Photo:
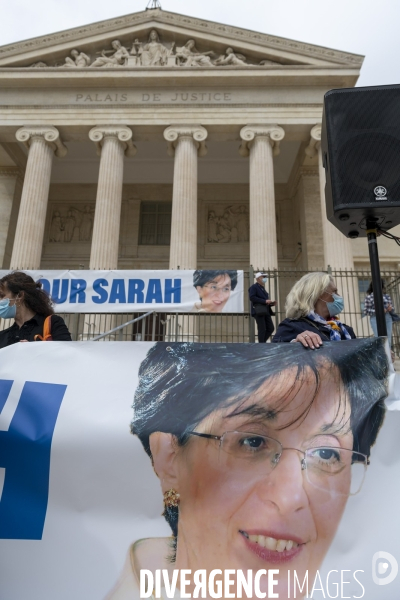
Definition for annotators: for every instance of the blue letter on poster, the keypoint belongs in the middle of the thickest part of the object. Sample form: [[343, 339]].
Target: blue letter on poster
[[25, 455]]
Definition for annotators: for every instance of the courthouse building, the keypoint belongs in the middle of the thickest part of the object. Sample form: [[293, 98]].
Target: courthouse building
[[157, 140]]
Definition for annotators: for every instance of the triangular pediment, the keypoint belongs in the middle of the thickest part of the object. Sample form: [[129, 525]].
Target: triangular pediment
[[158, 39]]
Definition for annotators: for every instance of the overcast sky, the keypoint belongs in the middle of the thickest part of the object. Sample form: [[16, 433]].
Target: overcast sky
[[368, 27]]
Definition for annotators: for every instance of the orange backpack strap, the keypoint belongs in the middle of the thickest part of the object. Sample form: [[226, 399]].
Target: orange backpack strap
[[46, 337]]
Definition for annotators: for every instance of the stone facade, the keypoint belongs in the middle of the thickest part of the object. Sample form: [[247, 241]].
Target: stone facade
[[219, 123]]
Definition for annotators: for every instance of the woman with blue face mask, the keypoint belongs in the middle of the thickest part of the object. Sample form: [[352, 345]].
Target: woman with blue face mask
[[24, 300], [312, 309]]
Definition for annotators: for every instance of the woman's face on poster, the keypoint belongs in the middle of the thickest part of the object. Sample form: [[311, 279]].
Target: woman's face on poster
[[215, 293], [232, 514]]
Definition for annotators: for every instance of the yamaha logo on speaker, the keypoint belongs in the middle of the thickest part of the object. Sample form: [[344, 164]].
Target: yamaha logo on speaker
[[380, 193]]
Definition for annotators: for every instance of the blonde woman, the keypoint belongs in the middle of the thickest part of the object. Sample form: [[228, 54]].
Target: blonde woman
[[312, 307]]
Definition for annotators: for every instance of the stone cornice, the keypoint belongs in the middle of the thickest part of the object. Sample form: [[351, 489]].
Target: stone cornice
[[121, 132], [50, 134], [16, 154], [9, 171], [199, 134], [158, 16], [300, 173], [274, 133]]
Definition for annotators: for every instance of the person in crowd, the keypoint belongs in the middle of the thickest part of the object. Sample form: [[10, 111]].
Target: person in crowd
[[369, 310], [214, 289], [312, 307], [261, 309], [257, 451], [23, 299]]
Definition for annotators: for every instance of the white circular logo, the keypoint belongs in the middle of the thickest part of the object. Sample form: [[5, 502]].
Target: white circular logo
[[380, 191]]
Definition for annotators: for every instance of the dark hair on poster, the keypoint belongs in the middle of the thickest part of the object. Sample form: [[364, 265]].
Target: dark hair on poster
[[200, 278]]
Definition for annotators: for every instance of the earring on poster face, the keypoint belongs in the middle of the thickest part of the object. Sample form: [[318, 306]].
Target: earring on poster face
[[171, 499]]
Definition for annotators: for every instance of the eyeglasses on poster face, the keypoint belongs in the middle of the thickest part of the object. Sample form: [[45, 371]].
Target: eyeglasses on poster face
[[214, 288], [336, 470]]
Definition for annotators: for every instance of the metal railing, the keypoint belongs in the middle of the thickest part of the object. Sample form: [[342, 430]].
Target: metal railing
[[158, 327], [224, 327], [119, 328]]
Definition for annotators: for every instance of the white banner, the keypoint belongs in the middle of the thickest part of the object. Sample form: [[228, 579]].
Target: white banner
[[78, 491], [201, 291]]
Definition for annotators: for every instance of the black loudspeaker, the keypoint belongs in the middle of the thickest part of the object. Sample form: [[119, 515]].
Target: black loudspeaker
[[360, 146]]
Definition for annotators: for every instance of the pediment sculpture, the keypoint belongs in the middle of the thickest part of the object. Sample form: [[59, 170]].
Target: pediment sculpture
[[189, 56], [155, 53], [78, 60], [231, 58], [119, 56]]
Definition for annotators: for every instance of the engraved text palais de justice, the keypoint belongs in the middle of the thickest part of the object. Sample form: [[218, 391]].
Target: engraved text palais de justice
[[148, 98]]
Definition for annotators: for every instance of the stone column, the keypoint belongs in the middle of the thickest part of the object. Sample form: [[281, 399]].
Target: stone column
[[186, 143], [307, 200], [112, 143], [337, 247], [261, 142], [8, 180], [43, 143]]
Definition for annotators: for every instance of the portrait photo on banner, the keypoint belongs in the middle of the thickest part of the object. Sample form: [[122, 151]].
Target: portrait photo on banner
[[170, 456], [185, 291]]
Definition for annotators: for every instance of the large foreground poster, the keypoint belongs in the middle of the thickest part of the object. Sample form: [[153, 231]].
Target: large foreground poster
[[197, 469], [200, 291]]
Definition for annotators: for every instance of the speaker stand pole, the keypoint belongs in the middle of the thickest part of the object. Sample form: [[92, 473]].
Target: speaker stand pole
[[376, 281]]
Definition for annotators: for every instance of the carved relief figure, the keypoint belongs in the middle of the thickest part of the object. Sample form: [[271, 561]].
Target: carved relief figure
[[190, 57], [242, 223], [39, 65], [234, 235], [224, 232], [137, 50], [119, 56], [267, 62], [69, 226], [78, 60], [56, 228], [86, 227], [229, 217], [212, 227], [154, 53], [231, 227], [231, 58]]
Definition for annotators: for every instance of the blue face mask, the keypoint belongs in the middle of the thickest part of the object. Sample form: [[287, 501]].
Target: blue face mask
[[335, 307], [265, 279], [7, 311]]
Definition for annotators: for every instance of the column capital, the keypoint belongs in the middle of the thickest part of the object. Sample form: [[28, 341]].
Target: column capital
[[315, 141], [50, 134], [274, 133], [122, 133], [199, 134]]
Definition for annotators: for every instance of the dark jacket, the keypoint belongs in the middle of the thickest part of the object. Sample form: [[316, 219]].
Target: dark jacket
[[289, 329], [29, 329], [257, 295]]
